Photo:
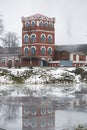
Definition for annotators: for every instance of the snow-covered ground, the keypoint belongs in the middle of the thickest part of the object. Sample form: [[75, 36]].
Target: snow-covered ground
[[41, 81], [38, 75]]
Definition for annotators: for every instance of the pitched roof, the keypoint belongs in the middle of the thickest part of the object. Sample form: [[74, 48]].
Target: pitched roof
[[72, 48], [12, 51]]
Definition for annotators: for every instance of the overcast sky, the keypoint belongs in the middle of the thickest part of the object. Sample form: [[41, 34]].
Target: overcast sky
[[71, 17]]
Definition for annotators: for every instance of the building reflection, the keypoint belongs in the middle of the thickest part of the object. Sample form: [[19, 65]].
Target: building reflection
[[37, 113]]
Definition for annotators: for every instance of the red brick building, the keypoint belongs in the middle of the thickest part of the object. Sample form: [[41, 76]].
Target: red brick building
[[38, 40]]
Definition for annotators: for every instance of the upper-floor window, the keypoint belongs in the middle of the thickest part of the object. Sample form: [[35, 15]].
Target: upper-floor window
[[43, 110], [49, 50], [33, 110], [33, 50], [50, 109], [26, 38], [33, 38], [27, 24], [33, 23], [26, 110], [43, 37], [41, 23], [51, 24], [50, 38], [26, 51], [46, 24], [43, 50]]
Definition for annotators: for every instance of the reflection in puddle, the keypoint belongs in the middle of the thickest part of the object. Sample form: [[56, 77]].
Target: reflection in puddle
[[37, 113], [38, 108], [27, 113]]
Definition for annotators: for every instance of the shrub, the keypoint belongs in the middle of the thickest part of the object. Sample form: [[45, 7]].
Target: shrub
[[79, 70]]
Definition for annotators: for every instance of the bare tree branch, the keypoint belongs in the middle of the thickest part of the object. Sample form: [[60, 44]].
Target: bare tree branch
[[10, 40]]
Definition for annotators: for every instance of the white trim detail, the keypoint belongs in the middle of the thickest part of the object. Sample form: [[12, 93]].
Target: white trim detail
[[33, 47], [49, 36], [25, 48], [32, 34], [26, 35], [32, 22], [43, 47], [40, 31], [50, 59], [49, 48], [26, 22], [43, 35]]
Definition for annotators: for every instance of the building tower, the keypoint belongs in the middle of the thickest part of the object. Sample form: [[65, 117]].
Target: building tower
[[38, 40]]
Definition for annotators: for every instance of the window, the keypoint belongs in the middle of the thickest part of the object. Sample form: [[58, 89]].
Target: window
[[33, 50], [43, 38], [33, 110], [49, 50], [26, 51], [26, 110], [2, 60], [43, 110], [41, 23], [27, 24], [33, 123], [49, 38], [26, 38], [43, 123], [50, 121], [33, 23], [51, 24], [43, 50], [50, 109], [33, 38], [46, 24], [26, 122]]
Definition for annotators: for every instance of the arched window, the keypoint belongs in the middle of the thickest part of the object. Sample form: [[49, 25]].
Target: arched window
[[43, 123], [50, 109], [26, 110], [41, 23], [33, 38], [51, 24], [26, 51], [33, 50], [27, 24], [33, 23], [43, 38], [26, 122], [43, 50], [26, 38], [50, 121], [49, 38], [33, 110], [33, 122], [43, 110], [46, 24], [2, 60], [49, 50]]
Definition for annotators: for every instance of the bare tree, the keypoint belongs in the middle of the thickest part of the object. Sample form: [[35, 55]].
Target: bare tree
[[1, 25], [10, 40]]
